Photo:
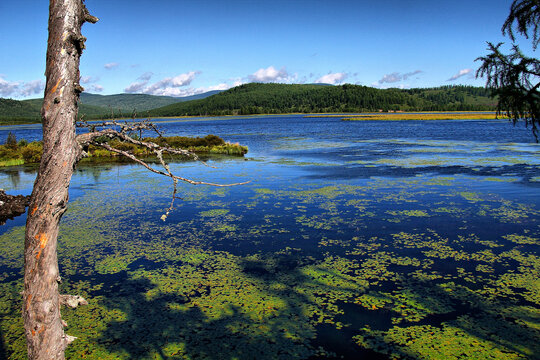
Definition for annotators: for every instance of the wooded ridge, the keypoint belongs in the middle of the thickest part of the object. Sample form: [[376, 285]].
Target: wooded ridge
[[258, 98]]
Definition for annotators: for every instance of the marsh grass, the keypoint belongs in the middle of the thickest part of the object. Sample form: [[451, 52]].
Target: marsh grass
[[400, 116], [30, 153], [11, 162]]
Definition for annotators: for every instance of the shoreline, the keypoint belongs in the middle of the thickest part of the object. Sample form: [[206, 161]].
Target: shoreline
[[374, 116]]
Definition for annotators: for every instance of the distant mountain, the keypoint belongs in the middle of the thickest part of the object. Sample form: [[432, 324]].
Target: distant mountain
[[93, 106], [200, 96], [257, 98], [137, 102], [87, 109], [26, 111], [10, 107]]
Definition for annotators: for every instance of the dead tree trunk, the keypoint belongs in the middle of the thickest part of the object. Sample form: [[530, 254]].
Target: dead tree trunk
[[41, 300], [62, 149]]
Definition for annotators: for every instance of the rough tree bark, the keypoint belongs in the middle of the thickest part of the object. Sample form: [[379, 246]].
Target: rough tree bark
[[41, 301], [62, 149]]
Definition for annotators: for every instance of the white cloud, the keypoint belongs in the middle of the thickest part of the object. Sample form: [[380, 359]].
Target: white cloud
[[200, 90], [92, 86], [95, 88], [461, 73], [184, 79], [33, 88], [8, 88], [397, 77], [333, 79], [136, 87], [222, 86], [408, 75], [270, 74], [170, 86], [20, 89], [169, 91], [139, 86], [237, 82], [146, 76], [390, 78], [177, 86], [89, 79], [111, 65]]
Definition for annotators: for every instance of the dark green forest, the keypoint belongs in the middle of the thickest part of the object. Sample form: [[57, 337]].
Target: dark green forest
[[92, 106], [28, 111], [257, 98]]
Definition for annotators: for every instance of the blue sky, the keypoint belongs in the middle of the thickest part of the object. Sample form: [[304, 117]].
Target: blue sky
[[181, 48]]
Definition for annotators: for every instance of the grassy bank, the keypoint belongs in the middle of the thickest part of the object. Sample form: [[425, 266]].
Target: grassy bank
[[18, 153], [401, 116]]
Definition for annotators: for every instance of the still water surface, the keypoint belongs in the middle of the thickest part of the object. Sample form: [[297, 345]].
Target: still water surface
[[390, 238]]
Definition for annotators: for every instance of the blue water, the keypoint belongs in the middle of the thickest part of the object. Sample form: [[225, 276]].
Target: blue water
[[330, 149], [319, 188]]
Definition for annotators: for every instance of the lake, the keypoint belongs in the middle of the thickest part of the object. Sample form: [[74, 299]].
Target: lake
[[353, 239]]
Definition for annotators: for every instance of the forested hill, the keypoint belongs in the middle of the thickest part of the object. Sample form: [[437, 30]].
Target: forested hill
[[28, 111], [93, 106], [256, 98], [137, 102]]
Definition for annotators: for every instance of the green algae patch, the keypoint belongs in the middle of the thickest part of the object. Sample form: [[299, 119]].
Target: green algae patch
[[264, 191], [408, 213], [373, 301], [470, 196], [113, 264], [271, 273], [522, 239], [214, 213], [451, 341]]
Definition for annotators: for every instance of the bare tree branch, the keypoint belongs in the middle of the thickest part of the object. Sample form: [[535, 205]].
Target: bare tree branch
[[139, 161], [90, 138]]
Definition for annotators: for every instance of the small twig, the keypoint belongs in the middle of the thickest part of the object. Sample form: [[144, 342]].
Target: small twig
[[175, 186]]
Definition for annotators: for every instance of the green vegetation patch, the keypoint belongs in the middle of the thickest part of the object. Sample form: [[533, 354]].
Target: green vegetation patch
[[18, 153], [257, 98], [282, 272], [214, 212]]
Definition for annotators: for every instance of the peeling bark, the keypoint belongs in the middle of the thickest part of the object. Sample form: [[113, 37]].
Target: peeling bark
[[41, 306], [12, 206]]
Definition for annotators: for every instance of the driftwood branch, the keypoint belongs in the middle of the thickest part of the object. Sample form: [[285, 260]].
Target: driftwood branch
[[90, 138], [72, 301], [143, 163]]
